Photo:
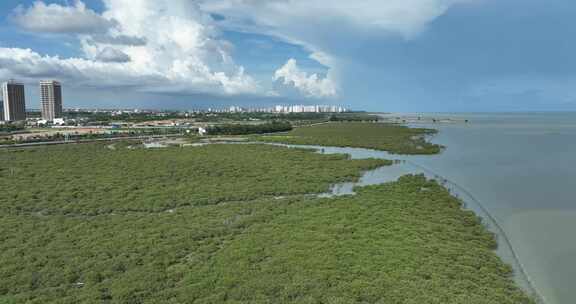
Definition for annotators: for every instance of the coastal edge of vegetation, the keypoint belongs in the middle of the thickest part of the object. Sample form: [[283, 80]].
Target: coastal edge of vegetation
[[95, 223], [394, 138]]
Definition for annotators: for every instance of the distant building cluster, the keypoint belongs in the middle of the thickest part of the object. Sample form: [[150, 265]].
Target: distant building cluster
[[282, 109], [309, 109], [13, 106], [14, 101]]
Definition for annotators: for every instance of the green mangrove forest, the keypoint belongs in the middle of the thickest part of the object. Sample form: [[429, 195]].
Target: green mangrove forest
[[393, 138], [90, 179], [101, 223], [244, 129]]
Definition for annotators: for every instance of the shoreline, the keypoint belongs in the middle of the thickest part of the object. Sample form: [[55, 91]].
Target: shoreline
[[492, 225]]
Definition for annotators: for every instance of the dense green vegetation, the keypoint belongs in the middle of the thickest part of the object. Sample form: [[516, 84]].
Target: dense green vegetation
[[243, 129], [233, 224], [403, 242], [7, 128], [294, 118], [381, 136], [355, 117], [92, 179], [243, 116]]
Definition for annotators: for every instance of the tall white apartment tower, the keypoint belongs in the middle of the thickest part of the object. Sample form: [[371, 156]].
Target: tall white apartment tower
[[14, 101], [50, 99]]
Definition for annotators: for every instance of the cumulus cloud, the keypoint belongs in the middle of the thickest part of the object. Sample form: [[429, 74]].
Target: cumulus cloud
[[327, 29], [118, 40], [109, 54], [291, 76], [54, 18], [160, 46], [176, 45], [31, 66]]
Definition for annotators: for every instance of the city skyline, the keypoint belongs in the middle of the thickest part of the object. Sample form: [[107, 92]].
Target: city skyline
[[31, 90], [51, 104]]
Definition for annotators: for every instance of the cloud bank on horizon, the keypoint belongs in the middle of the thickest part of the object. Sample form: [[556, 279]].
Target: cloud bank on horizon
[[178, 46]]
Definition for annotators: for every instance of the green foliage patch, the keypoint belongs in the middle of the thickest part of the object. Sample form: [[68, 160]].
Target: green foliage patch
[[93, 179], [402, 242], [242, 129], [7, 128], [233, 224], [380, 136], [354, 117]]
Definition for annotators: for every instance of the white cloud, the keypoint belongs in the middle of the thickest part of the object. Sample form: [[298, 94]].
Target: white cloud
[[314, 86], [118, 40], [31, 66], [329, 28], [288, 17], [161, 46], [109, 54], [176, 46], [54, 18], [323, 58]]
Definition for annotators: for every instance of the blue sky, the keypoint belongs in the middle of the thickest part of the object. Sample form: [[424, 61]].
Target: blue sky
[[393, 55]]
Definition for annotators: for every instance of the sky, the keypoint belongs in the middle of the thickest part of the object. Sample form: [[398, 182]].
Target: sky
[[374, 55]]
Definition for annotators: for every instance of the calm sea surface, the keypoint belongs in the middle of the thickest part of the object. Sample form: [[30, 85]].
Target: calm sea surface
[[522, 167]]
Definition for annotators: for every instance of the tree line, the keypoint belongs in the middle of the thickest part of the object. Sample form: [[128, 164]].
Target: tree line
[[6, 128], [354, 117], [243, 129]]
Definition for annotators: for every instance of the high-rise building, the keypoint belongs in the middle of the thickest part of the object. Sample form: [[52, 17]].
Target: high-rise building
[[14, 101], [50, 99]]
